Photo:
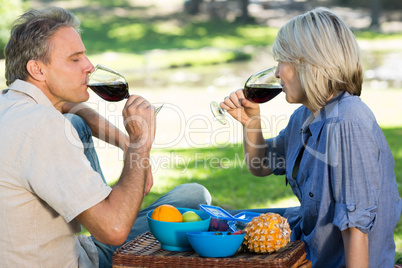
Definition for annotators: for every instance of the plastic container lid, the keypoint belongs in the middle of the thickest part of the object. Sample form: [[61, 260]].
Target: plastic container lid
[[222, 214], [246, 216], [217, 212]]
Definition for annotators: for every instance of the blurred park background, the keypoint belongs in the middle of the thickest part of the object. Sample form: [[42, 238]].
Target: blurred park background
[[187, 53]]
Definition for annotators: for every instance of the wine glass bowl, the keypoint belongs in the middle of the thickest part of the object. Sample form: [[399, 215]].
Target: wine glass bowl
[[260, 87], [108, 84]]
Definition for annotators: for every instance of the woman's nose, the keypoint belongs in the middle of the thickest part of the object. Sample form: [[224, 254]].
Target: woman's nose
[[277, 72]]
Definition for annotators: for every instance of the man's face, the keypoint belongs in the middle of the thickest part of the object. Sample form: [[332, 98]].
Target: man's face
[[68, 70]]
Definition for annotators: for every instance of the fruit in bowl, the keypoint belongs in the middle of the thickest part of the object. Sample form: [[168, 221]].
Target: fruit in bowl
[[172, 235], [218, 225], [190, 216], [215, 244], [167, 213]]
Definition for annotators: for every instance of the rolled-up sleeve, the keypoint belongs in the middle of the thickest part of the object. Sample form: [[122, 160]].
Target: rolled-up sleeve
[[355, 176]]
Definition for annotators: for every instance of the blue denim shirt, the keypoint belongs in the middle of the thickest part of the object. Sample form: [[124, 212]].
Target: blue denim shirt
[[345, 179]]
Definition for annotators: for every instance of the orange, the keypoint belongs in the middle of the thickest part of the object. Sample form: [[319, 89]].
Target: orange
[[167, 213]]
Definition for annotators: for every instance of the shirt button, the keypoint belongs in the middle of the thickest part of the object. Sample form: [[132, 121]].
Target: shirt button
[[351, 207], [311, 194]]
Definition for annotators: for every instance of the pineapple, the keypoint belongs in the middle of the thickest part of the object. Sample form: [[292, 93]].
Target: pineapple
[[266, 233]]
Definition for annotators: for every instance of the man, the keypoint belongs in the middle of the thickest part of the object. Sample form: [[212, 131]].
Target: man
[[48, 188]]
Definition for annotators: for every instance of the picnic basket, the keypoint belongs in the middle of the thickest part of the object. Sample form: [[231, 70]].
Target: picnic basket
[[145, 251]]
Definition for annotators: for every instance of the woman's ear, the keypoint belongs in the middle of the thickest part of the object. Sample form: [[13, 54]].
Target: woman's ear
[[35, 71]]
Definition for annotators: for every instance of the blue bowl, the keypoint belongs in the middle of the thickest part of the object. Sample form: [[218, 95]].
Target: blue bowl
[[172, 235], [208, 244]]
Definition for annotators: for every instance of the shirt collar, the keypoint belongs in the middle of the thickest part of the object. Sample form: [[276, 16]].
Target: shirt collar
[[32, 91], [328, 113]]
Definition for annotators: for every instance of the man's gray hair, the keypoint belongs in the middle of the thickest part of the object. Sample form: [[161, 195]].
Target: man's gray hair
[[29, 40]]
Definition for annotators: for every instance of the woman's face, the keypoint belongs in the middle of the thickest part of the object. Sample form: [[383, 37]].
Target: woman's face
[[290, 82]]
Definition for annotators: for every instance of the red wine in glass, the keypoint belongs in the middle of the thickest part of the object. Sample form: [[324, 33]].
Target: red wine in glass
[[116, 91], [261, 93], [110, 85]]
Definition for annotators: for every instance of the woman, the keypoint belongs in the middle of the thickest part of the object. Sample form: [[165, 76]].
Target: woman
[[336, 157]]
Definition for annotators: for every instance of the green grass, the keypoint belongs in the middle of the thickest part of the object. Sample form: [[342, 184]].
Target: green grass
[[223, 172], [185, 41], [372, 35], [184, 36], [136, 35], [127, 29], [188, 41]]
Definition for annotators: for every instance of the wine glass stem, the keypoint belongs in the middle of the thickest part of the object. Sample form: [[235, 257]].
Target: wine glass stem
[[157, 110], [221, 111]]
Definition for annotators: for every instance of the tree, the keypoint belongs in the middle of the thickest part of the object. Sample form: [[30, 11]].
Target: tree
[[9, 11], [192, 6], [375, 14], [245, 17]]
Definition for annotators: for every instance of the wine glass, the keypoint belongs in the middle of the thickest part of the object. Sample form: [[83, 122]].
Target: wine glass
[[260, 87], [110, 85]]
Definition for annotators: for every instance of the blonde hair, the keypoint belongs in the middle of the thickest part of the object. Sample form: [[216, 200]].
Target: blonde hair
[[324, 53]]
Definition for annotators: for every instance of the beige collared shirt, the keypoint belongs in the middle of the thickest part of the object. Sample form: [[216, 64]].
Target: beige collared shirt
[[45, 182]]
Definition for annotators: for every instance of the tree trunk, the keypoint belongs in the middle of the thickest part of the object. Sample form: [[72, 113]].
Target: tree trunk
[[244, 8], [375, 14], [192, 6]]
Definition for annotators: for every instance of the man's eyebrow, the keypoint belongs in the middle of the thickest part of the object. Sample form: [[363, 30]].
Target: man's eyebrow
[[77, 53]]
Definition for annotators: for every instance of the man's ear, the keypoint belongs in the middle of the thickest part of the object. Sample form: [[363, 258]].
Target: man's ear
[[35, 70]]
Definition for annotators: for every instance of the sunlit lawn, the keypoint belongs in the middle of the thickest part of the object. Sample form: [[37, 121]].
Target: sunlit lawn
[[224, 173], [184, 42]]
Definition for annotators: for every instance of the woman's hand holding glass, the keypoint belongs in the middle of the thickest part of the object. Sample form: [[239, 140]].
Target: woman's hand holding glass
[[240, 108], [260, 87]]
